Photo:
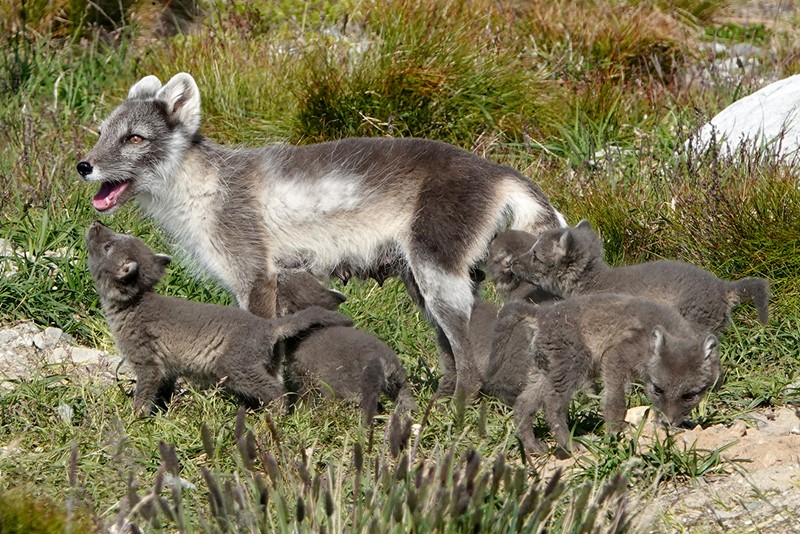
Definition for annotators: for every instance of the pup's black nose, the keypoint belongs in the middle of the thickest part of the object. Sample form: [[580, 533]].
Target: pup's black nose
[[84, 168]]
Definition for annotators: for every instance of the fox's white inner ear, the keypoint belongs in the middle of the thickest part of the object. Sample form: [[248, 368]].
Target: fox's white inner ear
[[562, 245], [147, 87], [128, 269], [710, 347], [183, 100], [657, 341]]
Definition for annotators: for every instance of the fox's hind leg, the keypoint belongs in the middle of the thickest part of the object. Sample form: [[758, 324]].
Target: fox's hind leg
[[525, 407], [448, 300]]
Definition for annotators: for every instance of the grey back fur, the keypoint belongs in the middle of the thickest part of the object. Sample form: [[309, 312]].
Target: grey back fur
[[570, 262], [542, 355], [339, 362], [167, 338]]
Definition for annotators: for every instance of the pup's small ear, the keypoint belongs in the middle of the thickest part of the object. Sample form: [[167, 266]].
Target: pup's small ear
[[163, 260], [564, 243], [337, 297], [183, 100], [583, 225], [145, 88], [657, 340], [128, 270], [710, 347]]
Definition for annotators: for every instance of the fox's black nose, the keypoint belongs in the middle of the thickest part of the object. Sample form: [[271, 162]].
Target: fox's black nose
[[84, 168]]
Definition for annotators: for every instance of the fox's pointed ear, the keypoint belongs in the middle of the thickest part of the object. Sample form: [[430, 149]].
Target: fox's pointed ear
[[163, 260], [710, 347], [564, 243], [147, 87], [657, 340], [127, 271], [583, 225], [183, 100]]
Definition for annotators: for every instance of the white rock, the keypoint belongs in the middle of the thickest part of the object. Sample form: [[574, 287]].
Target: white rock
[[767, 119], [85, 355], [48, 338]]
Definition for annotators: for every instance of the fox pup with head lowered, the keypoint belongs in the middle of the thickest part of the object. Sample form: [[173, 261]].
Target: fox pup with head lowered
[[542, 355], [419, 209], [339, 361], [569, 261], [166, 338]]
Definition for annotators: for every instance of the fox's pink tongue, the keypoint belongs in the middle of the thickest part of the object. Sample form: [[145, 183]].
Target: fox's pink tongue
[[106, 198]]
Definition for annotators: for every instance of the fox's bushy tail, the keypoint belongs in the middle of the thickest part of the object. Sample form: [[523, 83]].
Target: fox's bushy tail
[[757, 290]]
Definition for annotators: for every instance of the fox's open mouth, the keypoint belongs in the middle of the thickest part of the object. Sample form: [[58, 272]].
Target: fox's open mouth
[[108, 195]]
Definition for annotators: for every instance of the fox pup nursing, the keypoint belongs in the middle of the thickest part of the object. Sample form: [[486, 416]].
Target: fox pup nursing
[[542, 355], [339, 361], [419, 209], [166, 338], [569, 261]]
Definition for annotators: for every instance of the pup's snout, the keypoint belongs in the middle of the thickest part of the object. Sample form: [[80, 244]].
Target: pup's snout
[[85, 168]]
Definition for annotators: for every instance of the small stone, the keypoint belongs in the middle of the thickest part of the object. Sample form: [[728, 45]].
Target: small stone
[[59, 355], [739, 428], [65, 412], [84, 355], [48, 338]]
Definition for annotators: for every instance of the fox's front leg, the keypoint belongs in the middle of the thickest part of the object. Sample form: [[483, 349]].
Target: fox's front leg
[[262, 300], [615, 405]]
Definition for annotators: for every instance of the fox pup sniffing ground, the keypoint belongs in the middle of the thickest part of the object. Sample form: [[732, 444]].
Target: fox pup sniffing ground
[[569, 261], [419, 209], [166, 338], [542, 355], [339, 361]]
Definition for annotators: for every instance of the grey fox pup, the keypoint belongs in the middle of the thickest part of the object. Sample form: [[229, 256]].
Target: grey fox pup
[[542, 355], [166, 338], [419, 209], [339, 361], [504, 252], [569, 261]]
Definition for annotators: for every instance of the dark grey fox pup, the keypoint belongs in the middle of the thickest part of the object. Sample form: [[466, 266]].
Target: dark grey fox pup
[[339, 361], [165, 338], [504, 252], [542, 355], [570, 262]]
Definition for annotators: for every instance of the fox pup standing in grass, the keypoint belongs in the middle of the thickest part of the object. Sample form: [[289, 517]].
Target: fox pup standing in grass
[[419, 209], [542, 355], [339, 361], [166, 338], [569, 261]]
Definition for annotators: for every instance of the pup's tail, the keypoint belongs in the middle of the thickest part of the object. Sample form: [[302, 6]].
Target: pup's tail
[[757, 290]]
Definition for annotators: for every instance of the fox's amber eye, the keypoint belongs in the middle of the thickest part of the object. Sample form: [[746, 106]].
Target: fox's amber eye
[[135, 139]]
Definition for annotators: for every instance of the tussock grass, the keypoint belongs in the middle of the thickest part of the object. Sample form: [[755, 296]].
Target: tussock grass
[[589, 99]]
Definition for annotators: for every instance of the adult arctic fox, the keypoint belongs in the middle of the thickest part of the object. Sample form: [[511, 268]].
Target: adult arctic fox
[[419, 209]]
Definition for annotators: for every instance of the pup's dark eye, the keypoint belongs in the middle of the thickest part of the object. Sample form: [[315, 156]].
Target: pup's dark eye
[[107, 246], [692, 394], [135, 139], [657, 390]]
